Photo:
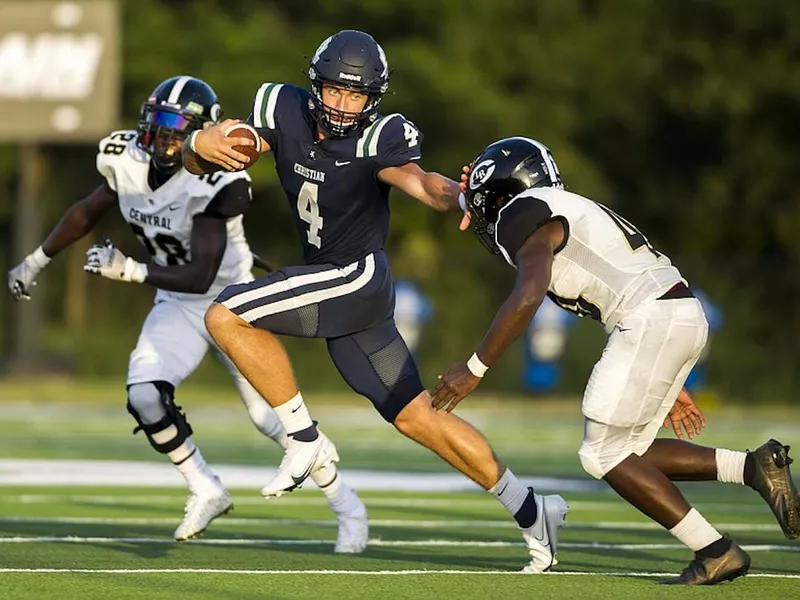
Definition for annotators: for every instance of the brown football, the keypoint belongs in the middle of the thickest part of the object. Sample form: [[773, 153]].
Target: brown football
[[243, 130]]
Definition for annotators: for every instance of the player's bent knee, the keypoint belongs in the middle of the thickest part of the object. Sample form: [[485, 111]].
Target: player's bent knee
[[219, 318], [591, 461], [145, 400], [153, 407], [598, 461], [417, 419]]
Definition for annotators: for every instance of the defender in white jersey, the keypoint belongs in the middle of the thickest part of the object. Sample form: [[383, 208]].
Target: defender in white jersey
[[192, 228], [593, 262]]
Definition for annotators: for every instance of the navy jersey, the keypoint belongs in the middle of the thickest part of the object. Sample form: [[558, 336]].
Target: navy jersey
[[340, 207]]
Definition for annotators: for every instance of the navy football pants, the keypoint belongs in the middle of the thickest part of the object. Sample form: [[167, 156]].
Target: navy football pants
[[351, 307]]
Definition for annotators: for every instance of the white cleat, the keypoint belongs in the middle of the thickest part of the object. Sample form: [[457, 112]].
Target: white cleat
[[353, 532], [301, 459], [201, 509], [542, 537]]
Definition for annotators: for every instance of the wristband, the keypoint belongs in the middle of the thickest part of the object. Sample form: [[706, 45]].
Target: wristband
[[40, 258], [476, 366], [134, 271], [191, 140]]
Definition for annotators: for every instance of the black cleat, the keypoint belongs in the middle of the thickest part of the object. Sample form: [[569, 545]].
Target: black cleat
[[709, 571], [773, 480]]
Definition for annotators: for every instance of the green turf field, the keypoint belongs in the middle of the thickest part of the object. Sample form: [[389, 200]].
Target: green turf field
[[115, 543], [77, 541]]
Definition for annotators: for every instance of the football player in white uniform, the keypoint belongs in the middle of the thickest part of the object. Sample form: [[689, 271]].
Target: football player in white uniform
[[192, 228], [593, 262]]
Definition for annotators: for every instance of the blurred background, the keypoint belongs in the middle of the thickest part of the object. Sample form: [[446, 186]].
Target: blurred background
[[682, 116]]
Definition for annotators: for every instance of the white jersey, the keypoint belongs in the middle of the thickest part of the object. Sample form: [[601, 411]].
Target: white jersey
[[162, 219], [606, 267]]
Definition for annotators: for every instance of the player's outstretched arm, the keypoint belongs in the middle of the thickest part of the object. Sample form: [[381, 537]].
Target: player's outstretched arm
[[79, 220], [195, 277], [209, 238], [209, 150], [534, 262], [432, 189], [207, 244]]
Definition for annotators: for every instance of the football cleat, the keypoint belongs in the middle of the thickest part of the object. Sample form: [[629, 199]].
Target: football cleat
[[709, 571], [542, 537], [353, 532], [301, 459], [202, 508], [773, 480]]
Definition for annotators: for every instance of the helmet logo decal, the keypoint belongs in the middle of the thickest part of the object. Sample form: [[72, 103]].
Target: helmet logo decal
[[350, 77], [481, 173]]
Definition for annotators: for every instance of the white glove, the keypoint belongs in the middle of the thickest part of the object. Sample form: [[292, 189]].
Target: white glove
[[21, 278], [106, 260]]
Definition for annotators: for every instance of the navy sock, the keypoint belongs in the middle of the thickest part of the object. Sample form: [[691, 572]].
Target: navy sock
[[527, 513]]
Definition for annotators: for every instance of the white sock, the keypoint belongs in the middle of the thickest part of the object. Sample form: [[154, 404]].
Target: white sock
[[510, 492], [342, 500], [294, 415], [730, 466], [266, 421], [189, 461], [695, 531]]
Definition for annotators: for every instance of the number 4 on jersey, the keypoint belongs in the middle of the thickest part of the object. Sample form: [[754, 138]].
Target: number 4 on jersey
[[308, 209], [411, 134]]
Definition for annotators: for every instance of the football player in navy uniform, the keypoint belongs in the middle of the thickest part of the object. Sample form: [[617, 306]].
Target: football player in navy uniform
[[595, 263], [193, 229], [337, 159]]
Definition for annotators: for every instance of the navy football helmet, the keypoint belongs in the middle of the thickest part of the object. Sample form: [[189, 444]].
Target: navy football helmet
[[351, 60]]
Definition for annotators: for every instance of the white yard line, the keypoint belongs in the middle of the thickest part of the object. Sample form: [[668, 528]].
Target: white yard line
[[374, 543], [399, 523], [361, 573]]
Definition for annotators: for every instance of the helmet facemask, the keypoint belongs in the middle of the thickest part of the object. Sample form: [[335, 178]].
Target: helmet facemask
[[162, 131], [337, 123], [484, 206]]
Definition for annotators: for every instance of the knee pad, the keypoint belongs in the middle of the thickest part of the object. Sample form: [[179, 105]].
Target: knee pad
[[153, 406], [145, 404]]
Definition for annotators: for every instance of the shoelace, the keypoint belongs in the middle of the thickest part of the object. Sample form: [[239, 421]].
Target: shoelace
[[695, 565]]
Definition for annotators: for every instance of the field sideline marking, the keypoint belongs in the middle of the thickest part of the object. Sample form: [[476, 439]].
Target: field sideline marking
[[374, 543], [399, 523], [360, 573]]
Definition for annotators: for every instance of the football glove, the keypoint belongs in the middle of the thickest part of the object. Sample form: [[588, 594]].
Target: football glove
[[22, 277], [106, 260]]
